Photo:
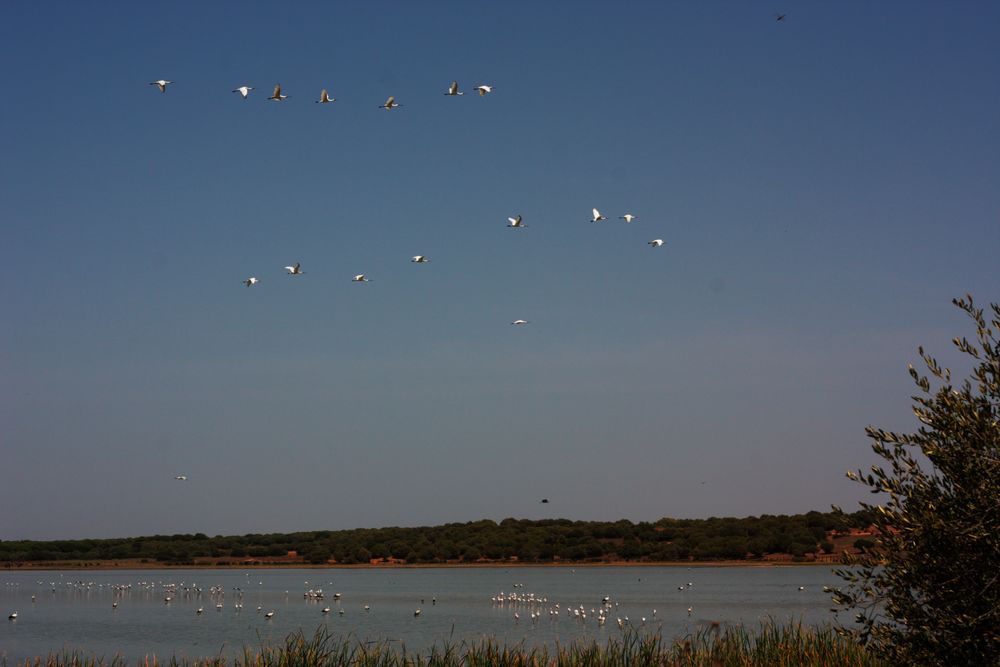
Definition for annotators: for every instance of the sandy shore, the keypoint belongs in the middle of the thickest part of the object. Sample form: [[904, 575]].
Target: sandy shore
[[138, 565]]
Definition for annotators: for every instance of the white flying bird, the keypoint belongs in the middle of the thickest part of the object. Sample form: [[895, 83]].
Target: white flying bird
[[420, 259], [453, 89], [251, 281], [324, 98], [390, 104], [360, 278], [277, 96], [161, 84], [294, 270], [182, 478], [628, 217], [520, 322], [484, 89], [269, 614], [244, 91], [597, 216], [656, 243], [516, 222]]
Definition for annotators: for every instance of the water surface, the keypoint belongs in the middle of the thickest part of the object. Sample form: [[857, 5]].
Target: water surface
[[73, 610]]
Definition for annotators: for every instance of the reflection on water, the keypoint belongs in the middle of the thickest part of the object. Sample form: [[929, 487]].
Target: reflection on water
[[137, 613]]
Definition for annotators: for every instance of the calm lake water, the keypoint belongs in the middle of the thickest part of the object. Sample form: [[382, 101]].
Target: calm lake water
[[74, 610]]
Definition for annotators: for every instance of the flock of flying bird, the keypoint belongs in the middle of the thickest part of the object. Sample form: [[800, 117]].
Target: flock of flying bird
[[516, 222]]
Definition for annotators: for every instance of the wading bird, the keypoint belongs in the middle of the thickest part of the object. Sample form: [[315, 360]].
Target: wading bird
[[516, 222], [294, 270], [656, 243], [161, 84], [453, 89], [269, 615], [628, 217], [597, 216], [390, 104], [251, 281], [277, 96], [244, 91], [324, 98]]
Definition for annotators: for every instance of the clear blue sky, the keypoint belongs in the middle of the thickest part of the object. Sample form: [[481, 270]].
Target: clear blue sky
[[825, 186]]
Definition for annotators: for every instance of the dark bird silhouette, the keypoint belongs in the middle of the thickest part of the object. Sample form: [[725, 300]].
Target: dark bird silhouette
[[544, 500], [780, 17]]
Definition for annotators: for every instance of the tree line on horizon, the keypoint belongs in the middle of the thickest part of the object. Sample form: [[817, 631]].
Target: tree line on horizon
[[521, 540]]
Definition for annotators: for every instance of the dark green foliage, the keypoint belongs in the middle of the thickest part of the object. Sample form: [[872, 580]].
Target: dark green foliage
[[927, 591], [548, 540]]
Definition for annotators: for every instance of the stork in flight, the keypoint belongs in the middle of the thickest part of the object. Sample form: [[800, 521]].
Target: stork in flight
[[390, 104], [325, 98], [360, 278], [294, 270], [277, 96], [484, 89], [181, 478], [419, 259], [244, 91], [516, 223], [656, 243], [453, 89], [161, 84], [251, 281], [628, 217], [520, 322]]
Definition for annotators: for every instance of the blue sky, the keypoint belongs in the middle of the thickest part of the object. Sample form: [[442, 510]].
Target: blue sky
[[825, 186]]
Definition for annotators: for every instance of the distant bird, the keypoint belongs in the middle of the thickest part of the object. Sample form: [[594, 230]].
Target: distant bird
[[802, 588], [251, 281], [269, 614], [690, 609], [244, 91], [780, 17], [516, 222], [416, 612], [368, 607], [544, 501], [360, 278], [419, 259], [326, 610], [161, 84], [597, 216], [520, 322], [390, 104], [114, 605], [324, 98], [277, 96], [453, 89], [656, 243], [484, 89], [182, 478], [199, 610], [294, 270], [628, 217], [13, 616]]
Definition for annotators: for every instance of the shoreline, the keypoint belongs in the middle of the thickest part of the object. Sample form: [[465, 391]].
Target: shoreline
[[135, 565]]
